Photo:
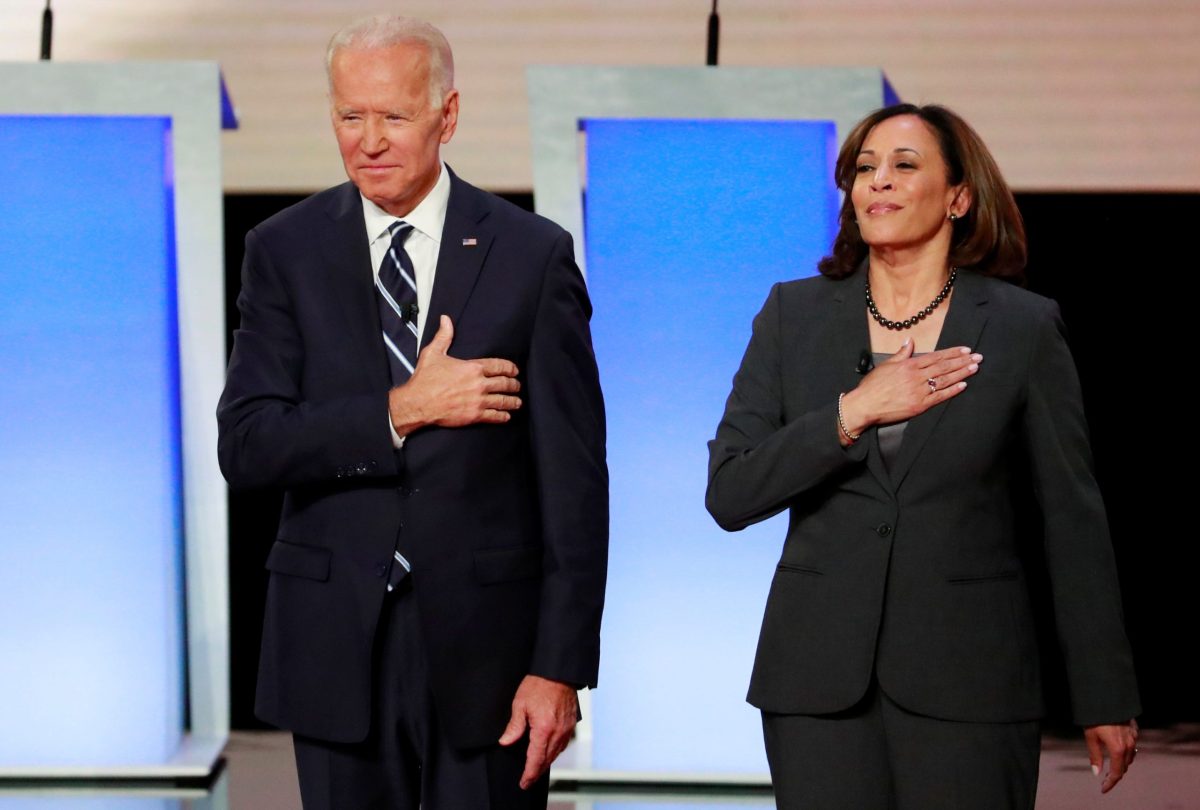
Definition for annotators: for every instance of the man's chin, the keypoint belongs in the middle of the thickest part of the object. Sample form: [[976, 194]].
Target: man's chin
[[388, 202]]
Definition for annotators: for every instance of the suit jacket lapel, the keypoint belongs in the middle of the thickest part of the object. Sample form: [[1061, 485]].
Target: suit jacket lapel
[[852, 337], [964, 323], [466, 240], [347, 256]]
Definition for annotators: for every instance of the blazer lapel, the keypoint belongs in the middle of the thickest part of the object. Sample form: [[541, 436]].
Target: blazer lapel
[[466, 241], [346, 254], [964, 323], [851, 337]]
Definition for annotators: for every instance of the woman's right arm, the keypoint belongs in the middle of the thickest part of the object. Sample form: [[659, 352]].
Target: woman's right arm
[[757, 463]]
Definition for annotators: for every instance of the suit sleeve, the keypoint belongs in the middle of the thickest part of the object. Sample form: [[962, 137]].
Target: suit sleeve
[[1079, 555], [758, 463], [566, 414], [269, 433]]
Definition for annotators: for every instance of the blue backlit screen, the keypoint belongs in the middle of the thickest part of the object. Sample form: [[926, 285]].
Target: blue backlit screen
[[688, 223], [91, 591]]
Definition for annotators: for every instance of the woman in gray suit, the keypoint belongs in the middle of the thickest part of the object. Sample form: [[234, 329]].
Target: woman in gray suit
[[895, 405]]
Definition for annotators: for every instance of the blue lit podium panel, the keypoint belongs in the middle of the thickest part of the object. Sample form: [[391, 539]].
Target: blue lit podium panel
[[111, 557], [689, 193], [687, 225], [89, 387]]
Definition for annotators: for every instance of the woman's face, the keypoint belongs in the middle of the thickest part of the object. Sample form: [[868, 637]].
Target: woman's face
[[901, 196]]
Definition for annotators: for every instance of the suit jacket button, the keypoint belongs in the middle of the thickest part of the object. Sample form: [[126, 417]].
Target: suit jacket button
[[883, 530]]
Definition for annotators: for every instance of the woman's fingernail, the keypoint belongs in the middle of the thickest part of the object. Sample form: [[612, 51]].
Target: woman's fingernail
[[1095, 770]]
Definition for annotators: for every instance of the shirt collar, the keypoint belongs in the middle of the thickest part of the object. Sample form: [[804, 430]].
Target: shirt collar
[[428, 217]]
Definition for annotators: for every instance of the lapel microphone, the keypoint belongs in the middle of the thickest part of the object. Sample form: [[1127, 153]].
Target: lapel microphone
[[866, 362]]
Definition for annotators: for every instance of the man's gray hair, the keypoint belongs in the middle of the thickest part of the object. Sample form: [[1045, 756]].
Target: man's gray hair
[[388, 30]]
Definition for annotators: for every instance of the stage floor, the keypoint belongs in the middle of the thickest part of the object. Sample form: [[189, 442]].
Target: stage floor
[[259, 774]]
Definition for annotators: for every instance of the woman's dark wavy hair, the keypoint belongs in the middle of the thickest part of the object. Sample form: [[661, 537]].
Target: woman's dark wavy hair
[[989, 238]]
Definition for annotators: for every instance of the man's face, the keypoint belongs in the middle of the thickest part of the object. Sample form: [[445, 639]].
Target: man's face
[[387, 131]]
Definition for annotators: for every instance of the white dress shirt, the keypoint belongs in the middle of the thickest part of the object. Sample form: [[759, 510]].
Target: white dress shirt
[[422, 246]]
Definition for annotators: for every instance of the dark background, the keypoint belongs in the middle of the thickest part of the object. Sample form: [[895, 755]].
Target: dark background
[[1112, 263]]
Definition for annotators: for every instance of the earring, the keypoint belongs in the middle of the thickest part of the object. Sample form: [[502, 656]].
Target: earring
[[953, 217]]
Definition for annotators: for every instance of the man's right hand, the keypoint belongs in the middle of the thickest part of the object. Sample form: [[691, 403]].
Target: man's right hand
[[449, 392]]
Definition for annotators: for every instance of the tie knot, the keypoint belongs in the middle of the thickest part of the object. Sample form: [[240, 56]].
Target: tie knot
[[399, 231]]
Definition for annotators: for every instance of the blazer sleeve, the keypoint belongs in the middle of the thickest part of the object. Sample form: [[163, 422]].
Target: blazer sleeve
[[270, 431], [1079, 555], [759, 462], [567, 423]]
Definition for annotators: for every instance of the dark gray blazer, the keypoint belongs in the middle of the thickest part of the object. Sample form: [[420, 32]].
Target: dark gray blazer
[[913, 572], [506, 525]]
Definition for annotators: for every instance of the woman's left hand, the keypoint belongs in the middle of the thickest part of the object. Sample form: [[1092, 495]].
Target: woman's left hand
[[1119, 740]]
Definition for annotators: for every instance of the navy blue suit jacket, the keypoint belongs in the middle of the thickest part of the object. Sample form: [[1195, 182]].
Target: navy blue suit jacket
[[506, 526]]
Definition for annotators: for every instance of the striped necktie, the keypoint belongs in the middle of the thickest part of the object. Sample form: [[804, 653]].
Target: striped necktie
[[396, 288]]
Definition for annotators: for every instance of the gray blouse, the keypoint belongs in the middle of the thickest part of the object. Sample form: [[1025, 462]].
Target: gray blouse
[[890, 436]]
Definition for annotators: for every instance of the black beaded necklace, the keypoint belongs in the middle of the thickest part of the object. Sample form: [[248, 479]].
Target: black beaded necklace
[[915, 319]]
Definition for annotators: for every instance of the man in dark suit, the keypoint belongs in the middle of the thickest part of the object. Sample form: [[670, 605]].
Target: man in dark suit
[[437, 583]]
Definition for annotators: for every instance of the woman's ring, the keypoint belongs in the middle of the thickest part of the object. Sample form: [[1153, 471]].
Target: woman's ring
[[932, 383]]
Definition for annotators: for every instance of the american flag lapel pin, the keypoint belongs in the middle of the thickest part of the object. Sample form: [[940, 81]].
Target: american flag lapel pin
[[470, 241]]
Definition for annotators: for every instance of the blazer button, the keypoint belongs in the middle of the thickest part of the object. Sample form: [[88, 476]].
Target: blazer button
[[883, 530]]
